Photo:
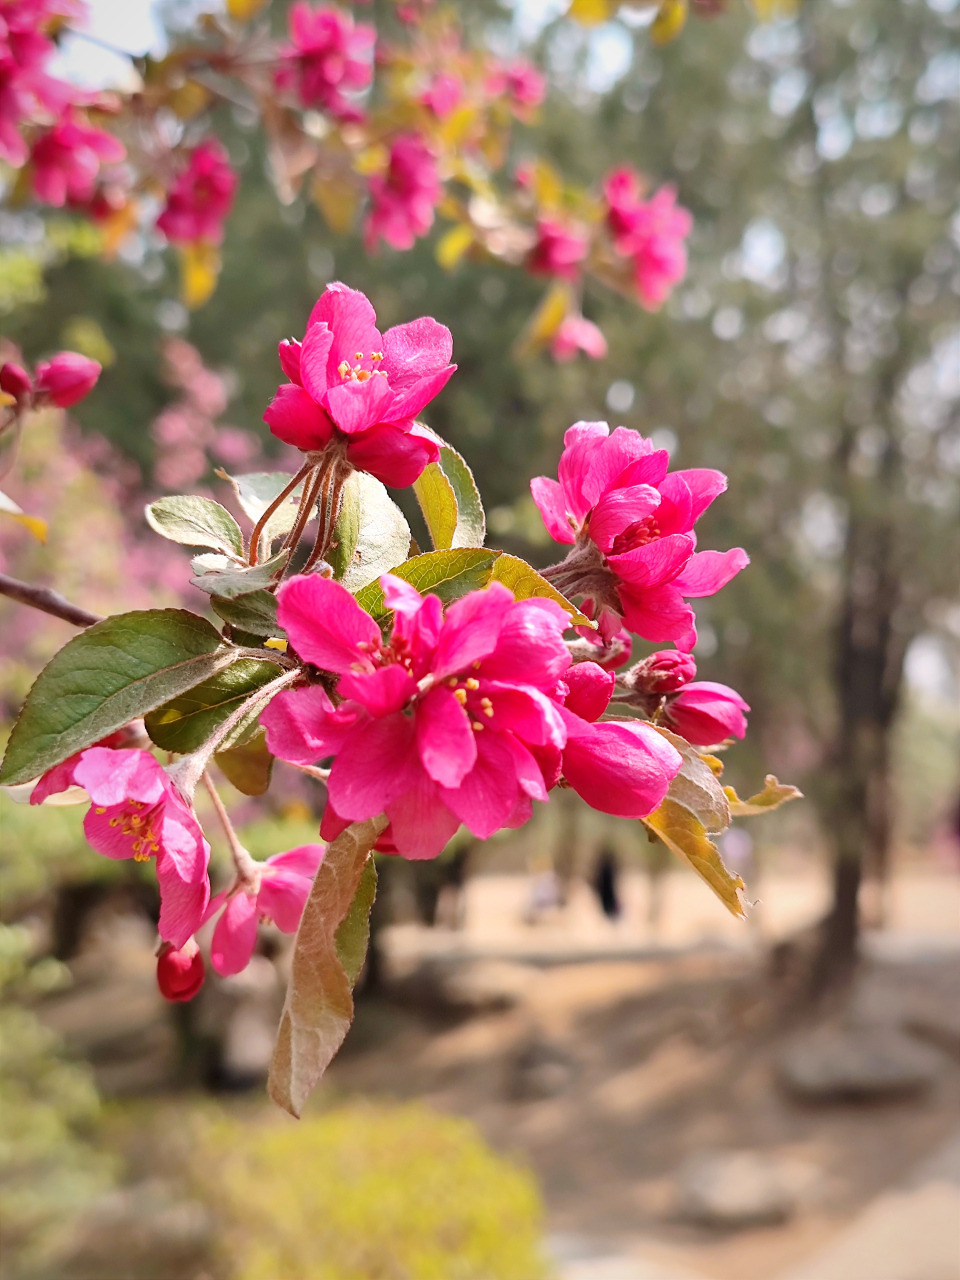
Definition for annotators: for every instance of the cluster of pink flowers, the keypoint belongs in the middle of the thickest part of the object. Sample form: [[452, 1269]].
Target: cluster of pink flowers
[[201, 198], [403, 198], [66, 152], [650, 232], [464, 717], [63, 380], [559, 250], [522, 83], [329, 55], [701, 711], [350, 385]]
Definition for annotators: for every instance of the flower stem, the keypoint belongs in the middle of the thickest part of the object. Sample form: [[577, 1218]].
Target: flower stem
[[246, 867], [329, 511], [46, 601], [311, 488], [281, 497]]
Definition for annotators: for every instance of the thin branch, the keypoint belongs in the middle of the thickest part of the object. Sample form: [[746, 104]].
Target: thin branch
[[47, 601], [248, 871], [274, 505]]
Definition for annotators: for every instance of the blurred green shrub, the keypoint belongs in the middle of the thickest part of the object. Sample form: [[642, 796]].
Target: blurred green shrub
[[368, 1193], [49, 1170]]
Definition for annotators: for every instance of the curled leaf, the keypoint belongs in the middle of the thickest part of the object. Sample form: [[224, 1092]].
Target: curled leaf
[[327, 957], [686, 836], [696, 787], [773, 795]]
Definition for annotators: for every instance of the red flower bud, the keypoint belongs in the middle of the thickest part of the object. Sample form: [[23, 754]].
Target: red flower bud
[[15, 381], [664, 672], [180, 973], [67, 378]]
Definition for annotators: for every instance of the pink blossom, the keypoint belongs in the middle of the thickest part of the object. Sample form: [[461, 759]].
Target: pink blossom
[[663, 672], [577, 334], [559, 250], [458, 717], [403, 199], [180, 973], [706, 713], [632, 526], [200, 200], [651, 232], [442, 95], [66, 378], [26, 91], [522, 82], [15, 381], [138, 812], [347, 383], [280, 896], [329, 55], [66, 160]]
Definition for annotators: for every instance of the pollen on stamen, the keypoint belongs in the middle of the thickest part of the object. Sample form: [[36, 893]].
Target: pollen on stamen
[[99, 810], [343, 368], [472, 683], [376, 355], [461, 696], [452, 682], [358, 355], [476, 725], [141, 857]]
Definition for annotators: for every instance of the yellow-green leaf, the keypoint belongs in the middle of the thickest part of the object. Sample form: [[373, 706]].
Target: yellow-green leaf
[[318, 1008], [438, 503], [670, 20], [685, 835], [199, 269], [696, 786], [447, 574], [524, 581], [592, 13], [453, 244], [556, 305], [773, 795]]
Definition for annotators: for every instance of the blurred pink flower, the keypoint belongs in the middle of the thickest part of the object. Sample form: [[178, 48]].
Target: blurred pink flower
[[651, 232], [559, 250], [329, 55], [200, 199], [67, 158], [180, 973], [577, 334], [66, 378], [459, 717], [26, 91], [521, 82], [348, 381], [280, 896], [442, 95], [403, 199]]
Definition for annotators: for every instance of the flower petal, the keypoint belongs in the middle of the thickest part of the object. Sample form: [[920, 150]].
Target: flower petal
[[283, 894], [529, 774], [658, 562], [375, 765], [416, 397], [657, 613], [579, 444], [414, 351], [289, 353], [487, 796], [524, 711], [303, 726], [530, 647], [296, 419], [621, 768], [235, 935], [351, 317], [590, 689], [325, 624], [420, 823], [380, 692], [396, 457], [471, 628], [447, 745], [356, 406], [182, 878], [304, 860], [112, 777], [704, 485], [314, 360], [549, 498], [707, 571], [619, 508]]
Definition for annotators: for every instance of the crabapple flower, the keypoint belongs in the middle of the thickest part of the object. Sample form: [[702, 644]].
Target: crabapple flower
[[200, 200], [138, 812], [559, 250], [577, 334], [650, 232], [328, 55], [280, 896], [458, 717], [67, 158], [26, 90], [631, 524], [404, 197], [66, 378], [523, 84], [353, 388], [442, 95], [15, 381], [180, 973], [699, 710]]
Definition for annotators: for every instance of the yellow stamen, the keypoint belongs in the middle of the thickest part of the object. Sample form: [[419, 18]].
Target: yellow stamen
[[452, 682], [475, 724], [461, 696], [471, 683], [358, 355], [101, 810], [343, 368], [363, 375]]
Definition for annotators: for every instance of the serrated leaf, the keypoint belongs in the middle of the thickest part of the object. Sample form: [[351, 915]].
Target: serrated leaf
[[773, 795], [447, 574], [248, 766], [255, 612], [438, 503], [685, 836], [114, 672], [186, 722], [471, 522], [195, 522], [220, 576], [696, 786], [524, 581], [318, 1008], [383, 535]]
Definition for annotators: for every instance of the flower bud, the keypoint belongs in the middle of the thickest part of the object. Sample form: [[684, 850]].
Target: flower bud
[[663, 672], [180, 973], [67, 378], [15, 381]]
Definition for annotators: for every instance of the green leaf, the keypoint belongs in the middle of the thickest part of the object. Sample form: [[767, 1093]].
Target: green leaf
[[524, 581], [255, 612], [438, 502], [382, 533], [346, 532], [186, 722], [195, 522], [112, 673], [471, 523], [248, 766], [448, 574], [318, 1008], [220, 576], [255, 492], [353, 935], [773, 795]]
